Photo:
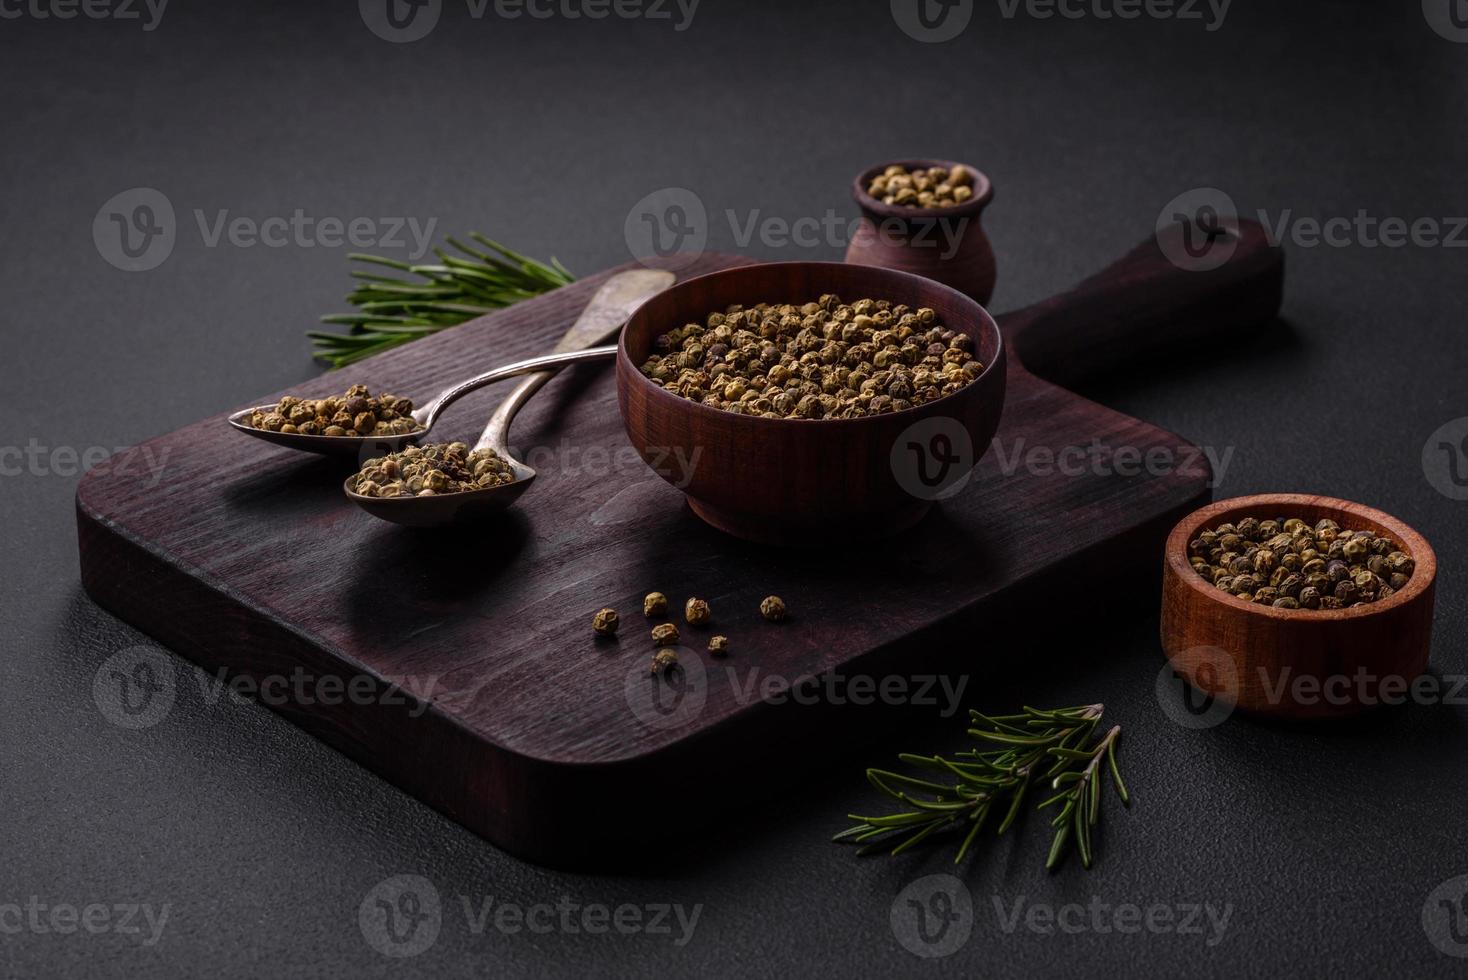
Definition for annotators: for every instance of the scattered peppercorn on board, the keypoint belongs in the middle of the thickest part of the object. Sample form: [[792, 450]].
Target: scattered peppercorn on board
[[462, 665]]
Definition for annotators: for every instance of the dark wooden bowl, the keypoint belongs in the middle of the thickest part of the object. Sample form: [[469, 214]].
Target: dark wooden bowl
[[917, 240], [1255, 657], [788, 481]]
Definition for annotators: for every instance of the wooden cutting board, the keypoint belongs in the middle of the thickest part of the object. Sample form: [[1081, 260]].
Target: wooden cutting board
[[461, 665]]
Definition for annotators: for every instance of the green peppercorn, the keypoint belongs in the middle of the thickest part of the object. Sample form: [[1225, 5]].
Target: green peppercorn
[[655, 604], [773, 608], [696, 612], [813, 361], [1319, 566], [664, 634], [605, 622]]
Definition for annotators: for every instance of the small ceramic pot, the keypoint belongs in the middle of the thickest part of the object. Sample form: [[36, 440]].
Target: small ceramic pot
[[947, 245]]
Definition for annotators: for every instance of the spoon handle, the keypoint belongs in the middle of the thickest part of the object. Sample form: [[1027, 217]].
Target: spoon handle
[[614, 302], [496, 434], [429, 413]]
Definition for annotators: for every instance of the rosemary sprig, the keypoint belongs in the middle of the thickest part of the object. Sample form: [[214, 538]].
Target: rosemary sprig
[[959, 793], [393, 310]]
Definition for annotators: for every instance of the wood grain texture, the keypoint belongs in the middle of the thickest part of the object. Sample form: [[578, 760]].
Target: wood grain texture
[[947, 245], [1296, 663], [514, 721]]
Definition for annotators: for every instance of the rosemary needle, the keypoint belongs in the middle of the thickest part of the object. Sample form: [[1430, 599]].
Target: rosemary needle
[[424, 299], [1054, 745]]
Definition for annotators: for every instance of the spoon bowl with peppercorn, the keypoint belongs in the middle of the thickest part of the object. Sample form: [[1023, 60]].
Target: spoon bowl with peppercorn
[[357, 421], [441, 484]]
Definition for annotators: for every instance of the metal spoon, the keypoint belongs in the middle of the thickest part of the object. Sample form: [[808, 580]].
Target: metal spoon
[[608, 310], [603, 317]]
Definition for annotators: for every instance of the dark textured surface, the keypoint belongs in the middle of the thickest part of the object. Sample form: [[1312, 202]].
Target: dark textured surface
[[263, 843]]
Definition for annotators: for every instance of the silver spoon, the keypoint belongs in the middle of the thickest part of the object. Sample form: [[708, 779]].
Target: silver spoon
[[603, 317]]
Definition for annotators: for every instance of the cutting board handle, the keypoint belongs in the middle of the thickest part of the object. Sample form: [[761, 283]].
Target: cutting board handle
[[1146, 304]]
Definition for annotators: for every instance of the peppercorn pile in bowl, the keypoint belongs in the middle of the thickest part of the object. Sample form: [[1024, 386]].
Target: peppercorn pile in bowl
[[816, 360], [1288, 564]]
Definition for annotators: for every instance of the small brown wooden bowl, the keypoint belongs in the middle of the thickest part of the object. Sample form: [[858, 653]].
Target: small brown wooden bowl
[[788, 481], [1296, 663], [916, 240]]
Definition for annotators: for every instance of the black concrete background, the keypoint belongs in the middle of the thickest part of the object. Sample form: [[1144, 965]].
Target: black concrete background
[[262, 844]]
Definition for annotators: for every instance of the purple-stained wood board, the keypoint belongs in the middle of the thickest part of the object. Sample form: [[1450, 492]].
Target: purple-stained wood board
[[461, 665]]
